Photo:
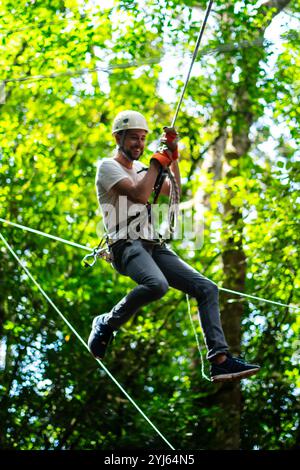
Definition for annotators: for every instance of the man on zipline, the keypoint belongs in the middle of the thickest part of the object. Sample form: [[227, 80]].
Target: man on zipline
[[145, 259]]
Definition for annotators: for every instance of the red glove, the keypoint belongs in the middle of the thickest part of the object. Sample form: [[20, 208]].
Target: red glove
[[170, 138]]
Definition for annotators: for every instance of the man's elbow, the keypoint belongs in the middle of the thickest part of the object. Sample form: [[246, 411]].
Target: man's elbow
[[141, 200]]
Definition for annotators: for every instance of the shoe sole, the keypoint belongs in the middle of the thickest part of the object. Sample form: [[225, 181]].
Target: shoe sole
[[106, 345], [236, 376]]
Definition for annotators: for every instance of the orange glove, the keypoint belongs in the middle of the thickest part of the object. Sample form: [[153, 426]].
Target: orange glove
[[164, 157]]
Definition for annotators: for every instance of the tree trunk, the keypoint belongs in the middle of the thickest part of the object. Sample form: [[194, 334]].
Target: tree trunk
[[227, 430]]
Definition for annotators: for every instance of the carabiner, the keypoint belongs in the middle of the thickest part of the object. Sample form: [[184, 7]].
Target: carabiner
[[91, 255]]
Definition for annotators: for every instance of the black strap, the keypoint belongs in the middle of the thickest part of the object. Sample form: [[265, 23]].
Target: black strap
[[158, 183], [143, 169]]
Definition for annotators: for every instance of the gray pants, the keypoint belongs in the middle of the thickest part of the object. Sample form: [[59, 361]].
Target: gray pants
[[154, 268]]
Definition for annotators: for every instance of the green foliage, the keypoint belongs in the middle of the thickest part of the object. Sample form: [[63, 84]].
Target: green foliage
[[54, 129]]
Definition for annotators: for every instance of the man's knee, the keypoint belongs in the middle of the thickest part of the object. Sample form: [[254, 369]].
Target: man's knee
[[159, 288], [207, 288]]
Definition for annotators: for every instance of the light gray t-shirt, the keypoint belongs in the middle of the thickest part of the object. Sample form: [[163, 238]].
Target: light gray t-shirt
[[117, 209]]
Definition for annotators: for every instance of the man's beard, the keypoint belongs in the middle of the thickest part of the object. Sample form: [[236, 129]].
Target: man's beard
[[132, 157]]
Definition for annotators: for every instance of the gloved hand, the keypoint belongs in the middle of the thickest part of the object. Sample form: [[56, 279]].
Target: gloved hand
[[164, 157], [168, 150]]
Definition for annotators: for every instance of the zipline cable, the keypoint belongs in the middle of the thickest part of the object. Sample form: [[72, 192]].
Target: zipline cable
[[40, 25], [81, 340], [197, 340], [164, 173], [38, 232], [254, 297], [108, 68], [77, 245], [192, 61], [155, 60]]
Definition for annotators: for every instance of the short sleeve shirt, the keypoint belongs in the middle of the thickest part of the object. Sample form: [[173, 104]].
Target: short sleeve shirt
[[117, 209]]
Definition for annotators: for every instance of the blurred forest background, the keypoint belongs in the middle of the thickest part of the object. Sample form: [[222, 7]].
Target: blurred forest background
[[68, 66]]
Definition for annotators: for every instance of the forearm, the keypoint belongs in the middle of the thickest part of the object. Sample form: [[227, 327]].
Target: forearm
[[165, 190], [144, 188]]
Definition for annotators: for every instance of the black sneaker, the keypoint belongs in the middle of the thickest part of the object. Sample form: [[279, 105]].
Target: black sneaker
[[232, 368], [100, 337]]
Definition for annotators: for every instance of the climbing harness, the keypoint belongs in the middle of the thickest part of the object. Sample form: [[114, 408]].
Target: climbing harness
[[104, 249], [99, 252]]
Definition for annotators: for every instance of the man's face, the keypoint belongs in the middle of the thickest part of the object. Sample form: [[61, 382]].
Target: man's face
[[134, 142]]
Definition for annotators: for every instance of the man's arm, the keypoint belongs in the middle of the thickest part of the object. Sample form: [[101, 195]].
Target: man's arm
[[169, 140], [141, 191]]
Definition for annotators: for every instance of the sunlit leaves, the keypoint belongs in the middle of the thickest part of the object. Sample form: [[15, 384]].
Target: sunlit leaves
[[53, 130]]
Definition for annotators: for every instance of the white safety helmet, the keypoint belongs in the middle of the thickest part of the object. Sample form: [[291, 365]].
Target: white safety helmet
[[129, 120]]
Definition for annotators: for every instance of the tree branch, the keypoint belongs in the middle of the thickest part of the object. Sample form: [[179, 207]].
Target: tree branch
[[277, 5]]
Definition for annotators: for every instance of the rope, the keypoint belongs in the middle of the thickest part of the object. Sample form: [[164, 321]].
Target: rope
[[161, 175], [242, 294], [81, 340], [38, 232], [204, 376], [82, 71], [41, 24], [193, 60], [174, 201], [155, 60], [259, 298]]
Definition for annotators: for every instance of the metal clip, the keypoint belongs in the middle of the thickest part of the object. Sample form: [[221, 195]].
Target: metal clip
[[91, 255], [99, 252]]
